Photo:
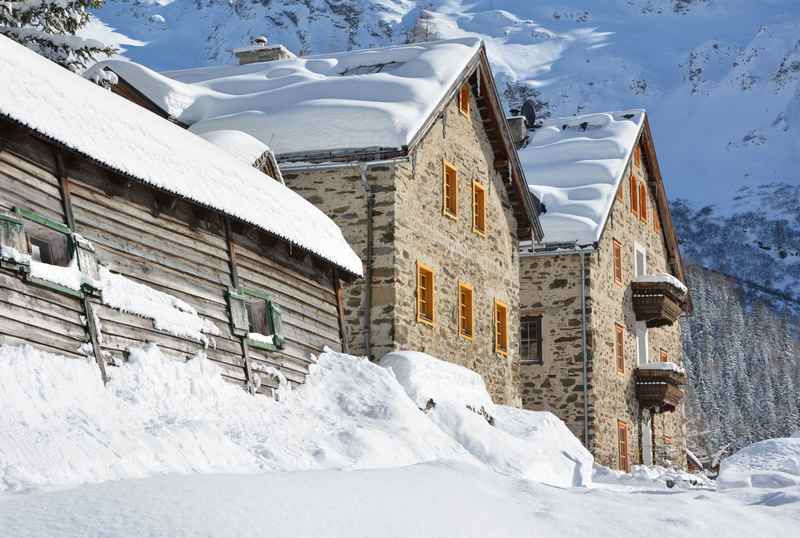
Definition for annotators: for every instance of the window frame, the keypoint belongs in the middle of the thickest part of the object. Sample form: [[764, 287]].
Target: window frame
[[273, 317], [446, 210], [464, 94], [616, 261], [464, 287], [619, 347], [525, 357], [500, 306], [623, 449], [477, 187], [421, 267]]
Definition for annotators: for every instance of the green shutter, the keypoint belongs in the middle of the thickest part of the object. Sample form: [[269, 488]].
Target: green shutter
[[237, 306], [275, 322]]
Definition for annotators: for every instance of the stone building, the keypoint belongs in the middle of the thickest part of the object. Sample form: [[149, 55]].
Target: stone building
[[599, 299], [408, 150]]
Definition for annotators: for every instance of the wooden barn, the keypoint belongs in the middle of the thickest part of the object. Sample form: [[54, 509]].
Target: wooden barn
[[119, 229]]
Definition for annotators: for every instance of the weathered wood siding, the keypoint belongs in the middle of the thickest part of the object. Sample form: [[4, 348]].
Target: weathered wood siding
[[305, 295], [28, 313], [171, 246]]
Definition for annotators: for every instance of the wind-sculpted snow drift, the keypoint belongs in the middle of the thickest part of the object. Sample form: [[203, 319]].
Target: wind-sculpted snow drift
[[61, 427]]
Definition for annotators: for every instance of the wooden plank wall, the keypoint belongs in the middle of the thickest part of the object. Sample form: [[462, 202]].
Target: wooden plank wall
[[305, 295], [31, 314], [170, 246]]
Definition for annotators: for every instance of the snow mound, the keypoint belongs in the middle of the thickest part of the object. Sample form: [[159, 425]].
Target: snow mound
[[424, 378], [654, 476], [62, 427], [514, 442], [772, 463]]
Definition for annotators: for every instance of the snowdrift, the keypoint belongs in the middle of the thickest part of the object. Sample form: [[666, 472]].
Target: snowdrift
[[772, 463], [654, 476], [62, 427], [518, 443]]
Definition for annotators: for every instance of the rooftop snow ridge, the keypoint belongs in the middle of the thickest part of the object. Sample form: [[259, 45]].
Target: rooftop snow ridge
[[124, 137], [372, 98], [574, 166]]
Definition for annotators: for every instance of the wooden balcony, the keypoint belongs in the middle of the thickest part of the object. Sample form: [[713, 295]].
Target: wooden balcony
[[657, 303], [661, 390]]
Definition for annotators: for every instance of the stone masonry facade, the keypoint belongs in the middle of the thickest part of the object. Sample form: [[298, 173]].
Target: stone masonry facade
[[410, 227], [547, 283]]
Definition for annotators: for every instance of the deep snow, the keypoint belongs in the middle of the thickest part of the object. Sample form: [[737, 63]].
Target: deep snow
[[179, 452]]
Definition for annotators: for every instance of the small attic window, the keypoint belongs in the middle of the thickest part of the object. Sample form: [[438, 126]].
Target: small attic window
[[370, 69]]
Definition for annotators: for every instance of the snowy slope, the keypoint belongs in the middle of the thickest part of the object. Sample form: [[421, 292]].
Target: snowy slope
[[718, 77]]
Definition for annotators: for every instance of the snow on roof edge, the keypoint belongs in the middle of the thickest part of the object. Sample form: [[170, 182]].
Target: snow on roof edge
[[53, 84]]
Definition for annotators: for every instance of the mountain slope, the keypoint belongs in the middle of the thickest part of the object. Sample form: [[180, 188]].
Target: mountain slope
[[721, 78]]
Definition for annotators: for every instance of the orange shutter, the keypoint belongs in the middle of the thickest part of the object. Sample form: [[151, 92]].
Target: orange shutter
[[634, 196], [619, 347], [622, 438], [617, 255], [643, 201]]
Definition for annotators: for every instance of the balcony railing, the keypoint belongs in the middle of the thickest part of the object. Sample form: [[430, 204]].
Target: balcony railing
[[661, 389], [657, 303]]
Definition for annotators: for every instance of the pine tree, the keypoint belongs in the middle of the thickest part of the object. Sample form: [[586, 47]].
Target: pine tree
[[49, 27]]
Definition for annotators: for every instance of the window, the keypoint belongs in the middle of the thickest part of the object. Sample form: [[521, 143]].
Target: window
[[619, 347], [466, 320], [634, 195], [662, 356], [425, 294], [257, 317], [478, 208], [656, 221], [617, 255], [463, 99], [622, 440], [637, 155], [449, 190], [530, 340], [643, 200], [501, 327], [30, 237]]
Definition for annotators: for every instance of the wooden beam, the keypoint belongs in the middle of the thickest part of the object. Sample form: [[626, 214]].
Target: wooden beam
[[248, 371], [88, 313], [337, 285]]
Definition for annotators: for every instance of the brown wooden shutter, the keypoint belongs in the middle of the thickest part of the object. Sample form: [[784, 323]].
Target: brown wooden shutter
[[622, 438], [619, 347], [634, 195]]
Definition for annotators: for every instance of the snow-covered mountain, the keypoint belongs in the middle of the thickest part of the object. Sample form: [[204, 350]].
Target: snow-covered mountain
[[720, 78]]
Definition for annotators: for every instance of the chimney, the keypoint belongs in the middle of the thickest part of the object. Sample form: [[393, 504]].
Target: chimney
[[519, 130], [262, 51]]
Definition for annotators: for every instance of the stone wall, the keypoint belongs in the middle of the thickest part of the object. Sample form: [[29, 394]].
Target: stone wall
[[488, 263], [614, 392], [410, 227], [339, 192], [550, 287]]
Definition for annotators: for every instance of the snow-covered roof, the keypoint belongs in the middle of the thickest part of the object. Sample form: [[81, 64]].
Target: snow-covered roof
[[241, 145], [575, 165], [374, 98], [121, 135]]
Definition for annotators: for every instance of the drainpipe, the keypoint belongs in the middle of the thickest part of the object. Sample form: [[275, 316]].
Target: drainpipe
[[585, 354], [363, 167], [368, 262]]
